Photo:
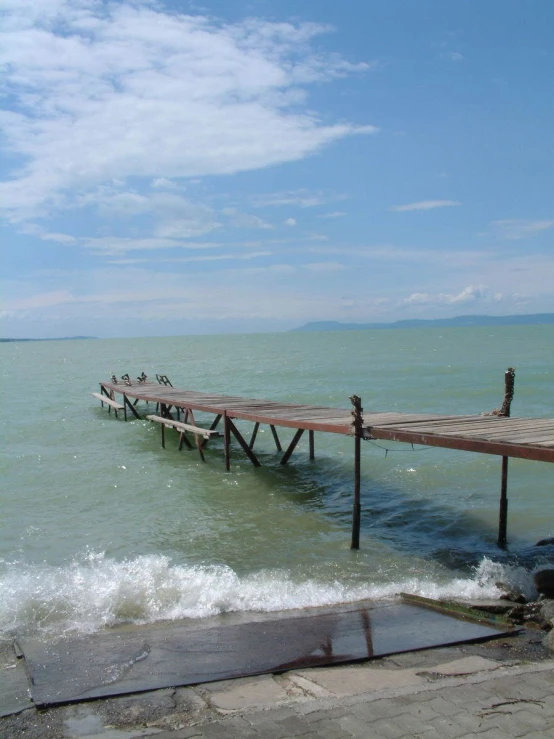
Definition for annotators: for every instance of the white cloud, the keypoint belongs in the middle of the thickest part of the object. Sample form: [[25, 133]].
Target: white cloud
[[164, 183], [112, 245], [127, 90], [334, 214], [516, 229], [198, 258], [424, 205], [290, 222], [300, 198], [325, 266], [469, 295]]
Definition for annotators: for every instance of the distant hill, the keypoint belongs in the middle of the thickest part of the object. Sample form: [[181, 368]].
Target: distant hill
[[61, 338], [519, 320]]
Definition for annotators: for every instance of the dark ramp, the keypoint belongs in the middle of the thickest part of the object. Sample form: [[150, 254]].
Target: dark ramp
[[135, 659]]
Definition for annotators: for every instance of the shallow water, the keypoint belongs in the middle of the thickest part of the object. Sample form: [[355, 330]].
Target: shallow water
[[100, 525]]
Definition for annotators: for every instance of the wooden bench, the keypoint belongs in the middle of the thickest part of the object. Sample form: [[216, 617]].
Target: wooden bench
[[182, 428], [111, 404]]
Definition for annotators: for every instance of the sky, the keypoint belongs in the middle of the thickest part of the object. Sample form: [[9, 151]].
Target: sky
[[227, 166]]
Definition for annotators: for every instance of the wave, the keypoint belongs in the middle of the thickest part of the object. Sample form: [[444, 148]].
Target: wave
[[95, 591]]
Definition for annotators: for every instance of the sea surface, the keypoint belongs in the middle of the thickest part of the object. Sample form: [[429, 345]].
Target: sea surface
[[99, 525]]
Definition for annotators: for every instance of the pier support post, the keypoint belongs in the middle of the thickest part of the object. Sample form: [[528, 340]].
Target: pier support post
[[503, 512], [276, 437], [312, 445], [509, 382], [292, 445], [357, 427], [254, 434], [227, 441]]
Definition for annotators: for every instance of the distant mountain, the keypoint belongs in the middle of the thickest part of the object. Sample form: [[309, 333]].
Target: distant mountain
[[61, 338], [519, 320]]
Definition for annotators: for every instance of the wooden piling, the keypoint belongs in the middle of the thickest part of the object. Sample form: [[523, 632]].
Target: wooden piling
[[312, 445]]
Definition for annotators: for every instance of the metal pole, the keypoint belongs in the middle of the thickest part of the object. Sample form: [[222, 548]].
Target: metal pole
[[503, 511], [357, 425], [227, 441], [509, 382]]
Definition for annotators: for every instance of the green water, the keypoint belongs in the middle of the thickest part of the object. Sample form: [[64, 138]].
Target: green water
[[100, 525]]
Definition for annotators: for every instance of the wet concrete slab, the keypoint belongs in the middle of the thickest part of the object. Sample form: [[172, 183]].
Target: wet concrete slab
[[136, 659], [14, 685]]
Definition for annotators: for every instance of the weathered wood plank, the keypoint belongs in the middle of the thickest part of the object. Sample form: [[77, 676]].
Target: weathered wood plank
[[206, 433], [109, 401]]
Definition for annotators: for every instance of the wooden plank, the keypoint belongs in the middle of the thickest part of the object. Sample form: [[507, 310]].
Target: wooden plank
[[507, 424], [109, 401], [506, 434], [502, 449], [206, 433]]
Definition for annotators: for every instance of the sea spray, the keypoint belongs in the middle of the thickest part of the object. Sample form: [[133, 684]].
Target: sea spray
[[95, 591]]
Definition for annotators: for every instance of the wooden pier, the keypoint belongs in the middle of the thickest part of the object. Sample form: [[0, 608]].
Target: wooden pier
[[496, 433]]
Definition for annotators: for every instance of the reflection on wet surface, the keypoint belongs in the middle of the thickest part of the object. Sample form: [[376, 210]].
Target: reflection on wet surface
[[135, 659]]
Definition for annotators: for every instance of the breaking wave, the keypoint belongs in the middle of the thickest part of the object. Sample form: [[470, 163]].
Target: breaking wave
[[96, 591]]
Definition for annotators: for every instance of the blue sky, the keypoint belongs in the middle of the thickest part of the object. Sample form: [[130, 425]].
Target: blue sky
[[174, 167]]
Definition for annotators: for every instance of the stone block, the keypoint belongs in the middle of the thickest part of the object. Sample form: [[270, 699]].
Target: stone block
[[463, 666], [249, 692], [343, 681]]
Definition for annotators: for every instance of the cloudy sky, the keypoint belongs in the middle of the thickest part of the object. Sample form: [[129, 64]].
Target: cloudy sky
[[251, 165]]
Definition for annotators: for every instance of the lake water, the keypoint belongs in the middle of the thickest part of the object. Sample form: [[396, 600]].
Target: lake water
[[99, 525]]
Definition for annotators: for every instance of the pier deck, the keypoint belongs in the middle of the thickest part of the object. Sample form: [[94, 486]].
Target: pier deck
[[524, 438]]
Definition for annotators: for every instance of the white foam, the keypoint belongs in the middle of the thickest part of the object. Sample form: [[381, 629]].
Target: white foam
[[97, 591]]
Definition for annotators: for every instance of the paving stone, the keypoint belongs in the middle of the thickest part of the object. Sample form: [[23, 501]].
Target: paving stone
[[322, 715], [294, 724], [443, 707], [190, 732], [275, 714], [327, 730], [508, 723], [234, 695], [380, 709], [449, 727], [228, 730], [464, 666], [270, 730], [493, 733], [353, 680], [533, 719], [388, 727]]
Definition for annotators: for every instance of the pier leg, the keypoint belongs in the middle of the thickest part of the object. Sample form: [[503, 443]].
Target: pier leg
[[227, 442], [183, 440], [276, 438], [357, 425], [127, 403], [356, 509], [215, 422], [238, 436], [292, 446], [503, 512], [312, 445], [163, 434], [254, 434]]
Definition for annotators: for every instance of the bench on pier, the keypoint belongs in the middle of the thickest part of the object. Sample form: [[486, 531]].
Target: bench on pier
[[182, 428], [111, 404]]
